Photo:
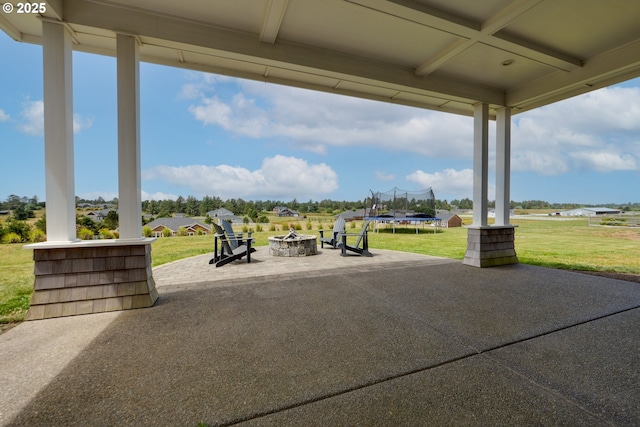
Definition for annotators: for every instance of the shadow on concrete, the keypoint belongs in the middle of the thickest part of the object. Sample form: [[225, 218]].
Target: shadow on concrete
[[439, 344]]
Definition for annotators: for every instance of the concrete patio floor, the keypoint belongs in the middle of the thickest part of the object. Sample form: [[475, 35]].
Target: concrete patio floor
[[396, 339]]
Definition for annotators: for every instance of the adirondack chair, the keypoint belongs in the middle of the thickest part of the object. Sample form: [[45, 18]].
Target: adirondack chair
[[338, 229], [361, 247], [228, 254], [235, 239]]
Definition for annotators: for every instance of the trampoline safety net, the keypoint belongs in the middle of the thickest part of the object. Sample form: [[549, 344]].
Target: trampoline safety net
[[402, 203]]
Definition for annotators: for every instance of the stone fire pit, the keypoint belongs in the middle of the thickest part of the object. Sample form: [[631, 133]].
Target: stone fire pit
[[293, 244]]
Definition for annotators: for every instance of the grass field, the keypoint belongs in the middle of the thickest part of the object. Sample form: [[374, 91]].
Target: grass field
[[558, 244]]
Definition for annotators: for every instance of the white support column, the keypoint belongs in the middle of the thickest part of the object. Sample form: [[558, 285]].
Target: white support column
[[503, 165], [489, 246], [129, 181], [58, 132], [480, 164]]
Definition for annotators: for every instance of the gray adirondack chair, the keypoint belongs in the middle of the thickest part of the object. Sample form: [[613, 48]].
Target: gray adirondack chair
[[227, 253], [361, 246], [235, 239], [338, 229]]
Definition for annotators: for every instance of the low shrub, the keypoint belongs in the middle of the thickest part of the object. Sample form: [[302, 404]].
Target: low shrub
[[619, 222], [85, 234], [11, 238], [37, 235], [105, 233]]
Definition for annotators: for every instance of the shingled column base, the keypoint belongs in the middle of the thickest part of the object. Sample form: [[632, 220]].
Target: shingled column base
[[490, 246], [84, 278]]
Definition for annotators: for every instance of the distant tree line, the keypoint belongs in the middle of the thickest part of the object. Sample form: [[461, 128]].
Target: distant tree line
[[21, 207], [193, 207], [15, 227]]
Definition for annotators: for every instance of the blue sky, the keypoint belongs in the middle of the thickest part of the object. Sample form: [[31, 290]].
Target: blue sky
[[203, 134]]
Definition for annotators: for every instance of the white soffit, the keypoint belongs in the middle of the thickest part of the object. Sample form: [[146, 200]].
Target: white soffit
[[444, 55]]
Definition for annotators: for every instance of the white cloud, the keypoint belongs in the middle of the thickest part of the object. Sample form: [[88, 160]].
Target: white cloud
[[448, 182], [158, 195], [604, 161], [201, 83], [32, 118], [4, 116], [315, 121], [32, 122], [241, 116], [81, 123], [278, 177], [597, 131], [384, 176], [552, 140]]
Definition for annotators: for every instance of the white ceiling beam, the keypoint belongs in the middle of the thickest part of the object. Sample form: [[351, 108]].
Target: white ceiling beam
[[422, 14], [444, 56], [54, 9], [507, 15], [273, 20], [244, 46], [8, 28], [606, 69], [444, 106], [471, 32]]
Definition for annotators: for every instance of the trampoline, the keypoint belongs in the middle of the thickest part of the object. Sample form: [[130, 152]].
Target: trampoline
[[403, 207]]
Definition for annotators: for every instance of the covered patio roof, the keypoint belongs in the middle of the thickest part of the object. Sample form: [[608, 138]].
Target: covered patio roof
[[439, 54]]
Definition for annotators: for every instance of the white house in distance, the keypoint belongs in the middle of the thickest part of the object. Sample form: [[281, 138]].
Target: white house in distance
[[590, 212], [223, 214]]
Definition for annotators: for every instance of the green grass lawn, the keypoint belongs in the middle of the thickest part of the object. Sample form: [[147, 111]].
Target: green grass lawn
[[558, 244], [573, 245], [16, 282]]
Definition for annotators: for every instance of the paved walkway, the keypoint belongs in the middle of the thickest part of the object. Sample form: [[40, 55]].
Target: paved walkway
[[397, 339], [195, 272]]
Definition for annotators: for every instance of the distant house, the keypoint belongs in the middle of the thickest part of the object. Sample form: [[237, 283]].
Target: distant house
[[216, 213], [287, 212], [590, 211], [98, 215], [223, 214], [4, 212], [356, 215], [449, 220], [461, 212], [491, 213], [192, 226]]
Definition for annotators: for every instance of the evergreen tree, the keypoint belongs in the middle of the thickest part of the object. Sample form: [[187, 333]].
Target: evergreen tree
[[111, 220]]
